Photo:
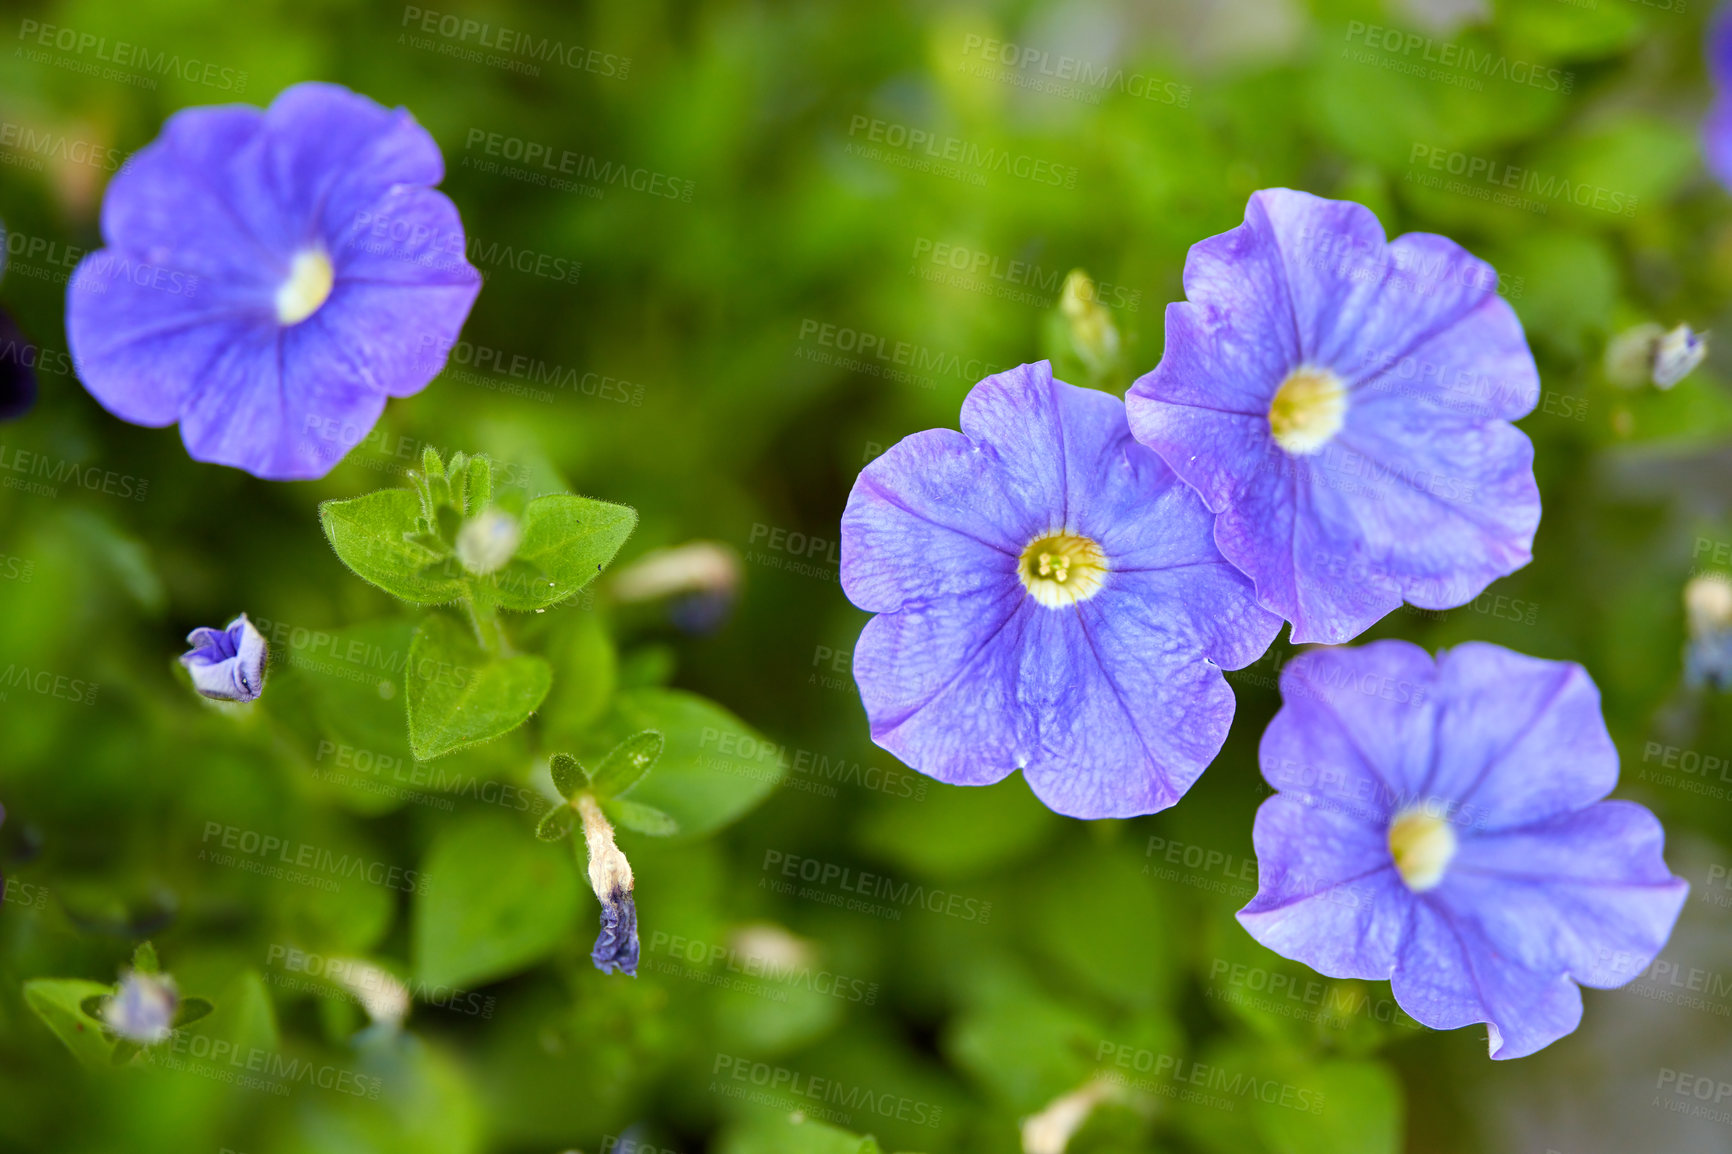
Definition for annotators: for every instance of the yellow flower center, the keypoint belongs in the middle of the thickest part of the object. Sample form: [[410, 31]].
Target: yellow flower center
[[1422, 845], [1307, 410], [309, 283], [1062, 568]]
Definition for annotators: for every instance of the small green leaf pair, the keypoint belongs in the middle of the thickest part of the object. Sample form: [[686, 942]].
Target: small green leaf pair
[[627, 764], [65, 1006], [406, 542], [453, 541]]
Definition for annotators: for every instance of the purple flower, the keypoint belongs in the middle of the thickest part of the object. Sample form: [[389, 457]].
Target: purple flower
[[1343, 405], [1440, 825], [1717, 128], [227, 664], [1048, 600], [143, 1010], [271, 277]]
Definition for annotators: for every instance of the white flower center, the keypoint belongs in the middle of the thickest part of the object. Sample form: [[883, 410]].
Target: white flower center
[[1062, 568], [1422, 845], [308, 286], [1307, 410]]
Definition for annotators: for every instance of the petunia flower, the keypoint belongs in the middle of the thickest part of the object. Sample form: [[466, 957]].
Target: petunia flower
[[271, 277], [227, 664], [1440, 824], [1343, 405], [1049, 599]]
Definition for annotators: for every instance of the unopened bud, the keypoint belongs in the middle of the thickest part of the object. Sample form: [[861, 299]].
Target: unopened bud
[[1648, 354], [143, 1010], [488, 541], [616, 947], [1092, 331], [1050, 1131]]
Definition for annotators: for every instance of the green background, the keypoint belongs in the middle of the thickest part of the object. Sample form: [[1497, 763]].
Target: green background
[[1047, 952]]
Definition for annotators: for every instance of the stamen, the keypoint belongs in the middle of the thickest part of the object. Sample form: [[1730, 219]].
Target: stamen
[[308, 286], [1308, 410], [1062, 569], [1423, 845]]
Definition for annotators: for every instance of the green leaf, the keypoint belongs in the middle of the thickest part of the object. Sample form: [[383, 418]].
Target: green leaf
[[191, 1010], [144, 959], [59, 1003], [459, 695], [628, 763], [371, 535], [480, 494], [640, 818], [124, 1051], [556, 823], [566, 541], [714, 767], [494, 902], [569, 776], [93, 1005], [585, 673]]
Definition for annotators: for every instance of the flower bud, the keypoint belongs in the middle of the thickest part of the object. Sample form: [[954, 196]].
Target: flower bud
[[1708, 652], [1050, 1131], [1092, 331], [488, 541], [143, 1010], [616, 947], [1649, 354], [227, 664]]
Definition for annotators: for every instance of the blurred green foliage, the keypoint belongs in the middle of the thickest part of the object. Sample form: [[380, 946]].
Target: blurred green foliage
[[832, 219]]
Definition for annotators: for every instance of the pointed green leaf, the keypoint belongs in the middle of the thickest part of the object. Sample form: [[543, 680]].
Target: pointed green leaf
[[431, 466], [371, 535], [191, 1010], [58, 1002], [144, 959], [94, 1005], [640, 818], [566, 542], [494, 903], [569, 776], [630, 760], [123, 1052], [458, 695], [480, 485], [556, 823]]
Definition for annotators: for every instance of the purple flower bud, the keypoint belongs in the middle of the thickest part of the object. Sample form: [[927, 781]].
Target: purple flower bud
[[143, 1011], [227, 664], [616, 947]]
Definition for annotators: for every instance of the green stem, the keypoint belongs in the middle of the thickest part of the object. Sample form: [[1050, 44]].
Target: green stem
[[485, 621]]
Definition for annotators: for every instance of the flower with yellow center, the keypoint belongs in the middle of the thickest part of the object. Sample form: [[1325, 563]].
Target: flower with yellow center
[[308, 286], [1308, 410], [1423, 845], [1062, 569]]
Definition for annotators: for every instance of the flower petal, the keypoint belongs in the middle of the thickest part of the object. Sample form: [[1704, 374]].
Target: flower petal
[[1586, 893], [1328, 894]]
